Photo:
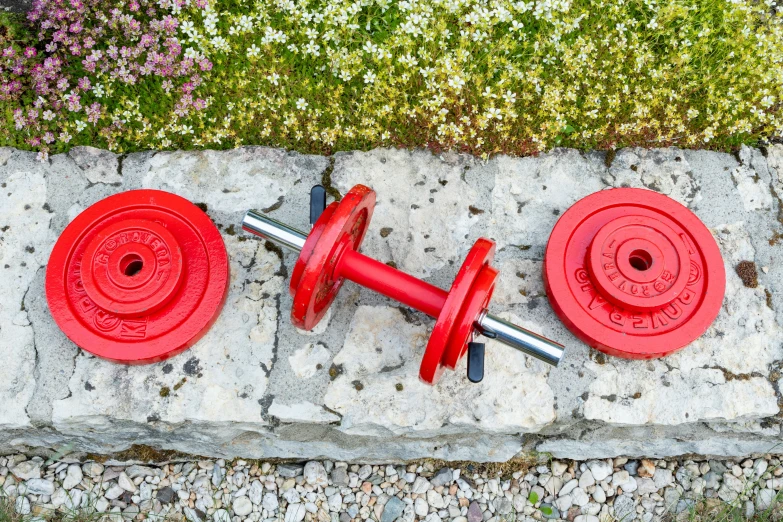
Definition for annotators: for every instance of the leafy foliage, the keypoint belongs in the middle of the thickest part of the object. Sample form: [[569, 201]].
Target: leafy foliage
[[322, 75]]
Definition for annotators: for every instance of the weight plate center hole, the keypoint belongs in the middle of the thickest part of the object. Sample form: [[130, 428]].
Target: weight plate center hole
[[131, 264], [641, 260]]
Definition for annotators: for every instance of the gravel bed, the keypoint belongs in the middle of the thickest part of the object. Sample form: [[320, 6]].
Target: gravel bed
[[198, 491]]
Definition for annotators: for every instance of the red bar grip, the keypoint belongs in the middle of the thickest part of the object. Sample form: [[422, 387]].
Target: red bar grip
[[392, 283]]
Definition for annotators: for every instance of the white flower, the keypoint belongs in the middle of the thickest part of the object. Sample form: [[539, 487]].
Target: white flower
[[271, 36], [220, 43], [312, 48], [245, 23], [187, 27], [273, 78], [301, 104], [407, 59], [80, 125], [210, 23], [193, 54], [98, 90], [456, 82], [492, 112], [516, 26], [370, 48], [369, 77], [253, 51]]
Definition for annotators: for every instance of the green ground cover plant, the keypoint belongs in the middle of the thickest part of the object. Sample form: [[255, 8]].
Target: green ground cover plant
[[480, 76]]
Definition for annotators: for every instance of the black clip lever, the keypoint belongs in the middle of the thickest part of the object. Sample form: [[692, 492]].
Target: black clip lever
[[475, 362], [317, 203]]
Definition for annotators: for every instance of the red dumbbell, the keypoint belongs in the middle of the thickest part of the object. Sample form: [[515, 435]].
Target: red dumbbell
[[329, 255]]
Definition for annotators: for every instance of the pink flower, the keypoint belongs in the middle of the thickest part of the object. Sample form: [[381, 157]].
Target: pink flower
[[146, 40], [170, 24], [93, 112], [73, 102], [19, 119], [139, 41]]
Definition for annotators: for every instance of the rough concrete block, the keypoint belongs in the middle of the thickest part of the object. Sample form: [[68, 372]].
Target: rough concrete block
[[255, 386]]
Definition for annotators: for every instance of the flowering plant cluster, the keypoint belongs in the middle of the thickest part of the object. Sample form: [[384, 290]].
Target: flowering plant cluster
[[483, 76]]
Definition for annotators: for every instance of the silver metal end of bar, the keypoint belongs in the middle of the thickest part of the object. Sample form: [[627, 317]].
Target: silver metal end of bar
[[523, 340], [273, 230]]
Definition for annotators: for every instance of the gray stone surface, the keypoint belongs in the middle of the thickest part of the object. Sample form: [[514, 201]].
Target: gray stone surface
[[255, 386], [19, 6]]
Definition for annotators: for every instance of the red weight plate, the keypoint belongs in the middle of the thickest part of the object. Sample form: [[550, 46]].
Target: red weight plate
[[138, 277], [342, 227], [464, 329], [432, 364], [633, 273], [638, 263], [307, 249]]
